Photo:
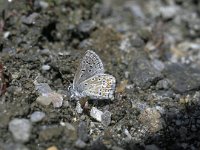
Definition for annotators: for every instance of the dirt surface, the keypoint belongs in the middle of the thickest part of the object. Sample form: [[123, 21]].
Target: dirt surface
[[152, 48]]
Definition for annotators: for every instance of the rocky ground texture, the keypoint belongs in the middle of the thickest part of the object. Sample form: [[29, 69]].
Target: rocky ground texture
[[151, 47]]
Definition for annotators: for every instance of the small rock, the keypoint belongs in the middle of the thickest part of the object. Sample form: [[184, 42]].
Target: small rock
[[52, 148], [43, 4], [56, 99], [184, 78], [169, 12], [44, 100], [70, 131], [142, 73], [106, 118], [78, 108], [16, 146], [96, 114], [98, 145], [80, 144], [158, 65], [82, 131], [117, 148], [50, 132], [151, 147], [151, 118], [86, 26], [163, 84], [47, 95], [39, 4], [42, 88], [126, 132], [37, 116], [30, 19], [46, 67], [6, 34], [20, 129]]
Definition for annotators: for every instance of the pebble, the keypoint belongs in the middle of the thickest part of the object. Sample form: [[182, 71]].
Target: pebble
[[42, 88], [20, 129], [142, 72], [116, 148], [86, 26], [78, 108], [82, 131], [50, 132], [70, 131], [38, 4], [37, 116], [43, 4], [14, 146], [44, 100], [169, 12], [52, 148], [151, 118], [80, 144], [158, 65], [184, 78], [151, 147], [48, 96], [56, 99], [96, 114], [30, 19], [163, 84], [46, 67], [106, 118], [6, 34]]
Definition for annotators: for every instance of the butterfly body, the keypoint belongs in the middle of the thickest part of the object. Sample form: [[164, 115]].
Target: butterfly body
[[91, 81]]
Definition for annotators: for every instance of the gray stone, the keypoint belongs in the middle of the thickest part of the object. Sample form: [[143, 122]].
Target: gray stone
[[96, 114], [163, 84], [46, 67], [42, 88], [158, 65], [82, 131], [117, 148], [13, 146], [169, 12], [142, 73], [86, 26], [50, 132], [37, 116], [20, 129], [151, 147], [39, 4], [106, 118], [183, 78], [80, 144], [44, 100], [30, 19]]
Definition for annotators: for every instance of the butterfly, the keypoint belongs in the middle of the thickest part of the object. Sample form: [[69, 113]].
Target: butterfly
[[90, 79]]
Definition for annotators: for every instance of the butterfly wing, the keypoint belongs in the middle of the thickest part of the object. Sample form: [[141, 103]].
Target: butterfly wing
[[89, 66], [100, 86]]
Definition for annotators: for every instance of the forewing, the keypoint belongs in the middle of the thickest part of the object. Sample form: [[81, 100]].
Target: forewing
[[100, 86], [89, 66]]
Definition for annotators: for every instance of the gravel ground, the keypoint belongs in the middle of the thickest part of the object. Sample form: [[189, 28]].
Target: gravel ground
[[151, 47]]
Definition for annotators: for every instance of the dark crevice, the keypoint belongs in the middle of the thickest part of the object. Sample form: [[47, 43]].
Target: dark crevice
[[48, 30]]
